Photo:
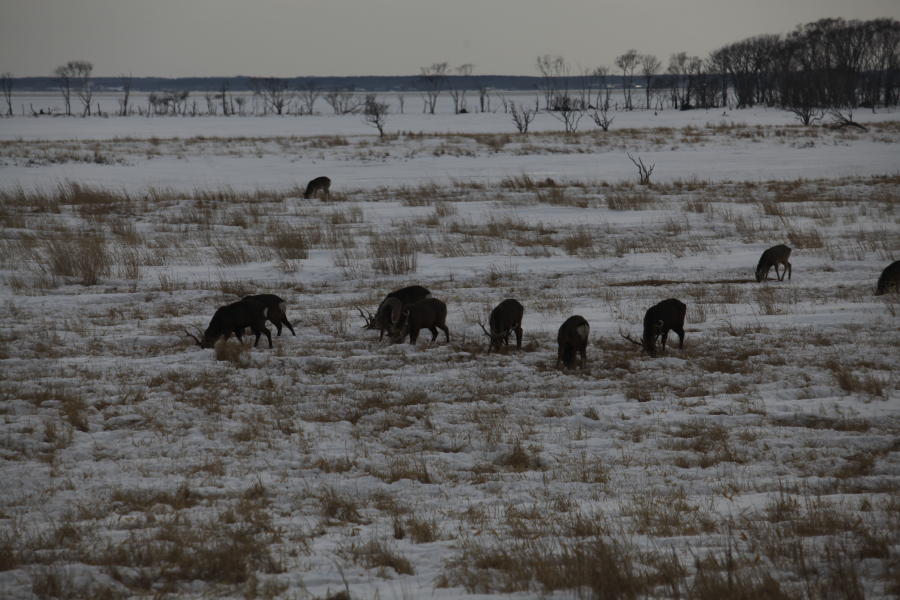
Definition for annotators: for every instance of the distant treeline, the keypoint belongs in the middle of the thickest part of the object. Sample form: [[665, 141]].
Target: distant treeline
[[242, 83]]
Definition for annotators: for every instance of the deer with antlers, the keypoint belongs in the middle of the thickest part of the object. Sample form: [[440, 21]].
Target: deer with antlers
[[504, 319], [659, 319], [232, 319], [389, 313]]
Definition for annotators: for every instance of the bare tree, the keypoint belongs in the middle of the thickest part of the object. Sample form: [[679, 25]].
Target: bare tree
[[600, 116], [554, 81], [343, 102], [569, 115], [79, 72], [224, 96], [63, 74], [375, 113], [273, 91], [600, 75], [458, 89], [644, 171], [126, 93], [522, 116], [649, 68], [434, 80], [628, 62], [6, 86], [309, 93]]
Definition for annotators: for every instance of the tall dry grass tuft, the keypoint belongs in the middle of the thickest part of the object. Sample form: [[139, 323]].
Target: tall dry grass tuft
[[83, 257], [393, 255]]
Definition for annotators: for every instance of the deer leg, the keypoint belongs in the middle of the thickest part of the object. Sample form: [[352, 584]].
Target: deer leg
[[413, 336], [277, 325], [680, 333], [446, 333], [583, 352], [433, 331], [788, 270], [664, 337], [268, 336], [289, 326], [518, 338]]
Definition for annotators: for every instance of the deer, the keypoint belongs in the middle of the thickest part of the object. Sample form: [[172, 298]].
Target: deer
[[275, 310], [430, 314], [659, 319], [889, 280], [319, 184], [387, 316], [571, 339], [233, 318], [504, 319], [774, 256]]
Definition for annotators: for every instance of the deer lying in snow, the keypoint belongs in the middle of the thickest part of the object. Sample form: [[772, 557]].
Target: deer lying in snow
[[232, 319], [572, 338], [774, 256], [387, 316], [659, 319], [504, 319]]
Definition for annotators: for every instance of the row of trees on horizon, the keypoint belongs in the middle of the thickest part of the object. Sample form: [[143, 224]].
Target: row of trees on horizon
[[826, 64]]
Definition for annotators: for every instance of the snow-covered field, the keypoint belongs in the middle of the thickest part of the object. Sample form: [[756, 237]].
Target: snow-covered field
[[761, 460]]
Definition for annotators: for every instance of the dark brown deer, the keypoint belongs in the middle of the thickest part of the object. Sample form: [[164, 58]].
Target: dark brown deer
[[233, 318], [774, 256], [275, 310], [319, 184], [889, 280], [571, 339], [504, 319], [659, 319], [430, 314], [387, 316]]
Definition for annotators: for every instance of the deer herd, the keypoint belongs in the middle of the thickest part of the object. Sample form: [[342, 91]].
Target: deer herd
[[405, 312]]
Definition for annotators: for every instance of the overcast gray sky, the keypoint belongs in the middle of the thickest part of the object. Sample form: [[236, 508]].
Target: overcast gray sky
[[173, 38]]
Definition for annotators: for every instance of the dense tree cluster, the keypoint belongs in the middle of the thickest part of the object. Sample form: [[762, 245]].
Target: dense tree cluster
[[826, 64]]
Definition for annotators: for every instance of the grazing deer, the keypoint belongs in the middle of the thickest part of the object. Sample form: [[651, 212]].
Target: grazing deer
[[319, 184], [659, 319], [387, 316], [572, 338], [889, 280], [505, 318], [275, 310], [233, 318], [774, 256], [430, 314]]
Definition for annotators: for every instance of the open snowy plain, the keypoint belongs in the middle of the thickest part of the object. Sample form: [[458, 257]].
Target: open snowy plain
[[762, 460]]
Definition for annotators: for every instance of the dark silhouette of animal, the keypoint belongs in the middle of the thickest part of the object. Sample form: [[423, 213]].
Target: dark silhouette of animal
[[387, 316], [505, 319], [659, 319], [774, 256], [232, 319], [319, 184], [430, 314], [275, 310], [571, 339], [889, 280]]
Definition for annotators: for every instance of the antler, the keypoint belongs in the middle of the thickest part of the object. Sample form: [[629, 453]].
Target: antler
[[191, 335], [631, 339], [486, 332], [368, 319]]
